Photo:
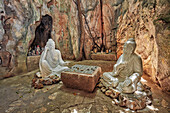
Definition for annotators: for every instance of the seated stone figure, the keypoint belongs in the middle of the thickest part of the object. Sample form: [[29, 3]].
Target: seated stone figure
[[127, 71], [51, 62]]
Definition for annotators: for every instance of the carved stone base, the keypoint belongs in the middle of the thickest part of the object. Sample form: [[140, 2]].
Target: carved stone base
[[136, 101]]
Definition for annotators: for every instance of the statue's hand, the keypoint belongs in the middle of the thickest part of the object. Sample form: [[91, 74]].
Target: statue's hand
[[114, 73], [122, 65], [127, 82], [66, 63], [46, 48]]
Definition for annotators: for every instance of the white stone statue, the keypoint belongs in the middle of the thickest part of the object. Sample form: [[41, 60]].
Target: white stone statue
[[51, 62], [127, 71]]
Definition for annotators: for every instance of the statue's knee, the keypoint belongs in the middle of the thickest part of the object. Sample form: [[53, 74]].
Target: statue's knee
[[108, 74], [44, 62], [105, 74], [115, 83]]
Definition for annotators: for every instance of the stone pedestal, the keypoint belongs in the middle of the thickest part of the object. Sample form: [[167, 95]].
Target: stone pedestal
[[105, 57], [81, 77], [33, 62]]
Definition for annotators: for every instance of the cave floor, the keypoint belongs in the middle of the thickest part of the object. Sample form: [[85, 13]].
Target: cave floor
[[17, 96]]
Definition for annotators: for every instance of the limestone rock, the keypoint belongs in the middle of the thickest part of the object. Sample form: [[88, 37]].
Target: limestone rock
[[108, 92], [6, 58], [103, 89], [164, 103]]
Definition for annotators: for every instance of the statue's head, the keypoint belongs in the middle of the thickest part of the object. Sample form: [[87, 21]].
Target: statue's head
[[50, 44], [129, 46]]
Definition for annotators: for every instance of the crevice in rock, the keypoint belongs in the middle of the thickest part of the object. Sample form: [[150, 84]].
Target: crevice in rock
[[42, 34], [102, 48], [157, 82]]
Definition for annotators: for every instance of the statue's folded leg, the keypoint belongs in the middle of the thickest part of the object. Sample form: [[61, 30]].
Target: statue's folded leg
[[110, 80], [140, 86], [59, 69], [131, 88], [127, 89], [45, 68]]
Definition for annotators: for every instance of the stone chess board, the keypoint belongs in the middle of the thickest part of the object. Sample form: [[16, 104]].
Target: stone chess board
[[85, 69]]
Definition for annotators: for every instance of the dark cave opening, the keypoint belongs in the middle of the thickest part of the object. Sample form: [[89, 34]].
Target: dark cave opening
[[42, 34]]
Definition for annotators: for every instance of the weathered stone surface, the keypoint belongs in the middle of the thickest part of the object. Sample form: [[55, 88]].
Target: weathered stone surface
[[105, 57], [33, 62], [5, 58], [164, 103], [17, 24], [81, 80]]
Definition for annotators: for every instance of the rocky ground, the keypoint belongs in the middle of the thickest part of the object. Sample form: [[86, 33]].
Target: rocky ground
[[17, 96]]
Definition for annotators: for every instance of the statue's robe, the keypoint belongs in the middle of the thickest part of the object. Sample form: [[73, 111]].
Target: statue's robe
[[132, 70], [52, 64]]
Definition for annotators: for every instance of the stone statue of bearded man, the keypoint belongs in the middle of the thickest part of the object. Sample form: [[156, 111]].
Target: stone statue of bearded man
[[127, 71], [51, 62]]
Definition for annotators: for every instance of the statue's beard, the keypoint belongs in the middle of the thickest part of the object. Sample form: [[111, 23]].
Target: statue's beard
[[51, 50], [126, 56], [51, 54]]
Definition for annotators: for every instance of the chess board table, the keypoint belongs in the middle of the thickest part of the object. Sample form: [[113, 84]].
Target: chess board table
[[81, 77]]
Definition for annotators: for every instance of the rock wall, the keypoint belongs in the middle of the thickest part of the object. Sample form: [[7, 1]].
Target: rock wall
[[18, 26], [148, 22], [19, 20]]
